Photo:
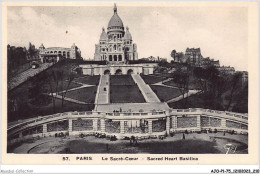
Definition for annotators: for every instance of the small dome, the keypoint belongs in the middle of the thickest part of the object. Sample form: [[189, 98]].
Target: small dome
[[103, 35], [115, 20], [128, 35]]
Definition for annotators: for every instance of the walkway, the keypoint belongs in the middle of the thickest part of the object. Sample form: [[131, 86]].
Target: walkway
[[132, 107], [73, 89], [22, 77], [188, 94], [147, 92], [161, 83], [102, 96], [71, 100]]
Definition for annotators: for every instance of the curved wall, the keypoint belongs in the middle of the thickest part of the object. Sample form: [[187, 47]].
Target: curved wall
[[127, 124]]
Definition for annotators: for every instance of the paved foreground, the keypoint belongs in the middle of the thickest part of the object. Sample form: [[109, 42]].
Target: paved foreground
[[193, 144]]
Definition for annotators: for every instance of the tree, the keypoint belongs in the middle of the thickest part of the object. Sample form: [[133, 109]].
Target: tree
[[173, 54], [181, 79], [234, 82], [211, 84], [37, 91], [63, 94]]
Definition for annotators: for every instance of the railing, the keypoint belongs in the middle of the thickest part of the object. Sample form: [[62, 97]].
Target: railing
[[205, 111], [18, 125]]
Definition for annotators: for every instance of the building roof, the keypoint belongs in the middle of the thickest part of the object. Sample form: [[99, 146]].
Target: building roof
[[128, 35], [57, 48], [193, 49], [115, 20], [103, 35]]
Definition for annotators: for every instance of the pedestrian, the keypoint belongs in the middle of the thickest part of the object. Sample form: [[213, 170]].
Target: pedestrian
[[183, 136]]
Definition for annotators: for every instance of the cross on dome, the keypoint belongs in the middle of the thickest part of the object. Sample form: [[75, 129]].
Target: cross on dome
[[115, 8]]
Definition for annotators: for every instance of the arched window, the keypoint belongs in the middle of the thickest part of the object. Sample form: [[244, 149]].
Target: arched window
[[106, 72], [115, 57], [118, 72], [120, 58], [130, 71], [114, 47], [110, 57]]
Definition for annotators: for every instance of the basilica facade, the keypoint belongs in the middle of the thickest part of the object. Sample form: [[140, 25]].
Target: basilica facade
[[116, 45]]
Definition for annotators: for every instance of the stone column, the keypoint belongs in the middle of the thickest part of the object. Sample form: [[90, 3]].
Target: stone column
[[150, 126], [223, 123], [95, 124], [198, 123], [102, 125], [44, 129], [168, 125], [174, 123], [70, 126], [122, 127]]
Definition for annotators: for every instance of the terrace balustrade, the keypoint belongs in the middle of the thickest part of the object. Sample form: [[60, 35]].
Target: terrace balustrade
[[112, 126], [82, 125], [231, 124], [58, 126], [186, 122], [158, 125], [221, 119]]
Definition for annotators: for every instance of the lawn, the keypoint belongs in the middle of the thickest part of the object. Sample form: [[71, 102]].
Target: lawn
[[61, 86], [165, 93], [29, 111], [21, 107], [192, 83], [87, 94], [200, 101], [151, 79], [196, 101], [89, 80], [121, 80], [126, 94]]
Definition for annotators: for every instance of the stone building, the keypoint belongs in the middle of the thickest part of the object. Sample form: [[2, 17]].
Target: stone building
[[32, 53], [226, 69], [54, 54], [194, 56], [206, 62], [115, 45]]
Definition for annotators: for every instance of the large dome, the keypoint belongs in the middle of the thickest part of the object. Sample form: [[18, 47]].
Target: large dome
[[115, 20]]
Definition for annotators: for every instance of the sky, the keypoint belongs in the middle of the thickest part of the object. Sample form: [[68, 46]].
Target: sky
[[220, 32]]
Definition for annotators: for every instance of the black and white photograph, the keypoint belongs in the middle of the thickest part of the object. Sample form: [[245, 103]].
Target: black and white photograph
[[170, 82]]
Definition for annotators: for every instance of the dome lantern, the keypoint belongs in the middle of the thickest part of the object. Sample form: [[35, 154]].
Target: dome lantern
[[115, 8], [115, 22]]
